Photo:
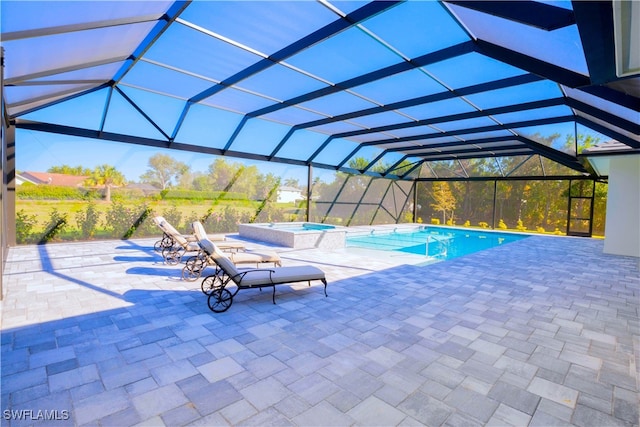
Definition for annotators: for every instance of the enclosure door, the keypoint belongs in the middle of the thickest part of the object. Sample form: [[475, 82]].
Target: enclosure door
[[580, 212]]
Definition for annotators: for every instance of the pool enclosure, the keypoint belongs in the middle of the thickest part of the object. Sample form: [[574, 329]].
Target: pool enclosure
[[393, 99]]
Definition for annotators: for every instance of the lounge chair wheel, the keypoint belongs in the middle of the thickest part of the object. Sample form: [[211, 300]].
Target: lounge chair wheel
[[193, 268], [162, 244], [192, 271], [220, 300], [172, 255], [211, 283]]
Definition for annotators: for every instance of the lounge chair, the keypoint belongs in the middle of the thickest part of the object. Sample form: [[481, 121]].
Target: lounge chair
[[196, 264], [174, 245], [226, 275]]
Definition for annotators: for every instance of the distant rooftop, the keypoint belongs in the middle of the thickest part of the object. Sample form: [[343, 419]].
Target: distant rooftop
[[60, 179]]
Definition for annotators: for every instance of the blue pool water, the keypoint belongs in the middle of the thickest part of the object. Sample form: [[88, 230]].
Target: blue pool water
[[307, 226], [438, 243]]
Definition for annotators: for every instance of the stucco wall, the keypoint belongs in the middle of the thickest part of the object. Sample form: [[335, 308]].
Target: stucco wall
[[622, 230]]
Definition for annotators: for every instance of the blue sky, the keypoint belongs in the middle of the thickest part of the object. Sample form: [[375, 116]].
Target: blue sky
[[204, 126], [38, 151], [171, 75]]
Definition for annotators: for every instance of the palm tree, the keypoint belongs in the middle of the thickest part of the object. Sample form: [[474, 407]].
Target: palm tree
[[107, 176]]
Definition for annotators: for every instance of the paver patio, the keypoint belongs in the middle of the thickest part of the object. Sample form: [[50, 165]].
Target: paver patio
[[539, 332]]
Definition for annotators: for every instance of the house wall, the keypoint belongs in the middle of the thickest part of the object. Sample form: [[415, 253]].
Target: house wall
[[622, 235], [288, 196]]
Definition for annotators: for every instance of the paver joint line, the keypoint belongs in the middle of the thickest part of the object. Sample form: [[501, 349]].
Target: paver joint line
[[536, 332]]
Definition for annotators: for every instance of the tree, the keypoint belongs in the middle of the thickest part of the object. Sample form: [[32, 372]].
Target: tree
[[223, 175], [70, 170], [162, 170], [584, 141], [402, 168], [267, 185], [199, 181], [248, 182], [292, 182], [107, 176], [235, 177], [358, 163], [444, 200]]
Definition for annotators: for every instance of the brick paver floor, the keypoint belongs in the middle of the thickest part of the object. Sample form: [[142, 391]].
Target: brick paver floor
[[539, 332]]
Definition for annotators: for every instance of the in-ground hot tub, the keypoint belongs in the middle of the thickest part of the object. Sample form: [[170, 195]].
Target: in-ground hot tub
[[298, 235]]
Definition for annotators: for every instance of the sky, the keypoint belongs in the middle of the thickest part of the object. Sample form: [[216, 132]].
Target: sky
[[219, 119], [38, 151]]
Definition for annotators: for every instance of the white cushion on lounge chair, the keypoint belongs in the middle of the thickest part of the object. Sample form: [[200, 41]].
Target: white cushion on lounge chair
[[238, 257], [223, 262], [207, 246], [170, 231], [227, 244], [189, 243], [259, 277], [255, 257], [220, 299], [191, 247]]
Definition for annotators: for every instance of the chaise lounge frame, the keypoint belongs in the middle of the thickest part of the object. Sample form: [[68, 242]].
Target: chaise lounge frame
[[173, 245], [196, 264], [217, 285]]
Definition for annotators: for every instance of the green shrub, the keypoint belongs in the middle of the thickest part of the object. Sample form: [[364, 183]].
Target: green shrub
[[92, 194], [268, 212], [57, 223], [124, 222], [125, 193], [193, 217], [173, 216], [119, 219], [212, 221], [540, 229], [87, 221], [520, 226], [435, 221], [502, 225], [467, 223], [139, 226], [225, 220], [24, 226], [195, 195], [50, 192], [483, 224]]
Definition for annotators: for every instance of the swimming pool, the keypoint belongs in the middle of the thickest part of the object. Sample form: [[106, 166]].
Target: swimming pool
[[299, 226], [433, 242]]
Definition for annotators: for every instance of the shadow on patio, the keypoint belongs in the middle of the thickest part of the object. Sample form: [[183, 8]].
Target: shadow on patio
[[490, 338]]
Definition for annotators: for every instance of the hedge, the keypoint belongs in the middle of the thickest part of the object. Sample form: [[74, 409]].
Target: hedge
[[52, 192], [202, 195]]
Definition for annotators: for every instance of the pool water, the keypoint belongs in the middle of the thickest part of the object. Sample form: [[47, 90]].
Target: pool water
[[435, 243], [307, 226]]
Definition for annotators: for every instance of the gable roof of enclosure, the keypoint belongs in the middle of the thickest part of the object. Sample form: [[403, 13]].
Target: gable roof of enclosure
[[406, 86]]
